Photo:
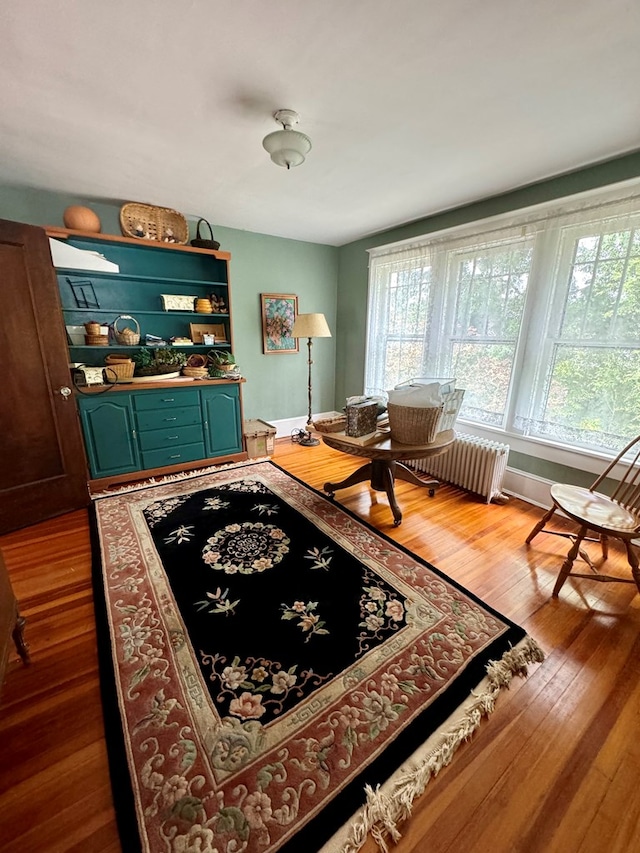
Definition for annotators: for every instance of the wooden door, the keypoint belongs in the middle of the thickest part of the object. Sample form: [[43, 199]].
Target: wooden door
[[42, 462]]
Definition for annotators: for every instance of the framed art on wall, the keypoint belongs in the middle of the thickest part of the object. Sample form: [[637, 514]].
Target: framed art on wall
[[279, 311]]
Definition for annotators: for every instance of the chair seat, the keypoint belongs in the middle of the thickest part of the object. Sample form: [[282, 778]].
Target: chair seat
[[594, 509]]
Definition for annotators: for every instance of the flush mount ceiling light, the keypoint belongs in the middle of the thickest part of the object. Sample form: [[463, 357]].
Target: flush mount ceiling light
[[287, 147]]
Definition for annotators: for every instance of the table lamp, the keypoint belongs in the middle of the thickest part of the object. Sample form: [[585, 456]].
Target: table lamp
[[310, 326]]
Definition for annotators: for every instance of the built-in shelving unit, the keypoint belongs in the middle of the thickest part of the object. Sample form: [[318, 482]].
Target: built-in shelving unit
[[146, 272], [141, 428]]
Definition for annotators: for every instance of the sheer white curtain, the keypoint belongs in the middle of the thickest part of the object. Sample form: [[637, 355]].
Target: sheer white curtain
[[536, 315], [580, 382], [399, 316]]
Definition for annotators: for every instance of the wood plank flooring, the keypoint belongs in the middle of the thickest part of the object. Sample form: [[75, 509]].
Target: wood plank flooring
[[555, 768]]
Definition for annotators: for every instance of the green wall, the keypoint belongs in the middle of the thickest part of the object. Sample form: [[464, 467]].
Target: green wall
[[276, 385]]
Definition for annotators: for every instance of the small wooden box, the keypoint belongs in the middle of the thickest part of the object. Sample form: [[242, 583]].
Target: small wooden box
[[361, 419]]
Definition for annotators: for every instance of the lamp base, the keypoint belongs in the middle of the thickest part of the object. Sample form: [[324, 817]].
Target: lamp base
[[308, 441]]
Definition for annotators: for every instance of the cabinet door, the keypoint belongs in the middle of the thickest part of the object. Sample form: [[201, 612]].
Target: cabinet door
[[109, 435], [222, 428]]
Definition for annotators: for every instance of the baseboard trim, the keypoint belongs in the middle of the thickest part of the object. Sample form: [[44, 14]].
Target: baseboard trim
[[527, 487], [286, 426]]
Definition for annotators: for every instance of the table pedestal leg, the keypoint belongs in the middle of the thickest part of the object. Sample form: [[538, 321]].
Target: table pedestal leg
[[359, 476], [404, 473], [382, 474], [382, 480]]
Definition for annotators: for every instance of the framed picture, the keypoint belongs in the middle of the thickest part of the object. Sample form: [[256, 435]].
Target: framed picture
[[279, 311]]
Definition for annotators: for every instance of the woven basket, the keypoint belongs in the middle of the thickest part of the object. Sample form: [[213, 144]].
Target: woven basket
[[120, 369], [127, 337], [413, 424], [148, 222], [96, 340], [195, 372]]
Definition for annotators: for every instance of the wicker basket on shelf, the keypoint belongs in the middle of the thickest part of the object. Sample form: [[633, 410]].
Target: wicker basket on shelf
[[414, 424], [120, 369], [127, 337], [195, 372], [148, 222], [196, 366]]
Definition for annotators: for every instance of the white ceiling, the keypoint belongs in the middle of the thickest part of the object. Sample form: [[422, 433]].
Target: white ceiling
[[413, 106]]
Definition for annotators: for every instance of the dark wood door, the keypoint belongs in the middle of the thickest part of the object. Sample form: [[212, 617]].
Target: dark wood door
[[42, 462]]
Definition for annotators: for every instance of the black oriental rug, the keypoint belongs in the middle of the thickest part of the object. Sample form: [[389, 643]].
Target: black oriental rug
[[274, 661]]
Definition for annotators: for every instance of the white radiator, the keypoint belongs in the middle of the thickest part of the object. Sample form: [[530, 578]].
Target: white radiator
[[475, 464]]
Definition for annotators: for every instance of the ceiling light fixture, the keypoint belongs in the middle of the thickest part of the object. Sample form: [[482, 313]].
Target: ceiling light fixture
[[287, 147]]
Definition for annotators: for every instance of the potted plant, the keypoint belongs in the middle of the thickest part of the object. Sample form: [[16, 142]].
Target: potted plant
[[223, 364], [155, 362]]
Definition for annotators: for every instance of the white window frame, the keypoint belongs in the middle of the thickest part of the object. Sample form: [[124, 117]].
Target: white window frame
[[541, 293]]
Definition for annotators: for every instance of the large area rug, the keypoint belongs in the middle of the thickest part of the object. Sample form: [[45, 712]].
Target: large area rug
[[269, 660]]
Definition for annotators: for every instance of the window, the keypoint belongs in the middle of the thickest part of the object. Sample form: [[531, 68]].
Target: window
[[539, 321]]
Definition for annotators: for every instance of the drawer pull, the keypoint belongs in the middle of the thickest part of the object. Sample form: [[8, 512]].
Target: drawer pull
[[175, 456], [172, 437], [171, 419], [168, 400]]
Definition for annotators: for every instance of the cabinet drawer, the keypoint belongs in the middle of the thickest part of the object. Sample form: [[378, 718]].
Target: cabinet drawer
[[172, 437], [173, 455], [164, 418], [166, 399]]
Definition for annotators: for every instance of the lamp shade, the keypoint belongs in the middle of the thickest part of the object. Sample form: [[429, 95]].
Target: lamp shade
[[310, 326], [287, 147]]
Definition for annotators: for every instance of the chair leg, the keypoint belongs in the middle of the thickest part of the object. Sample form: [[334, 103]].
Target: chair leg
[[633, 562], [565, 571], [538, 528]]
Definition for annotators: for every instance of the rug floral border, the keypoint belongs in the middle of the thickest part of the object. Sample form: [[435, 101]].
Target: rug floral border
[[370, 544]]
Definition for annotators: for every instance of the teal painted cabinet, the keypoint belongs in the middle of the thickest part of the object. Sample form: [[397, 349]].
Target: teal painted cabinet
[[109, 434], [127, 431], [222, 426]]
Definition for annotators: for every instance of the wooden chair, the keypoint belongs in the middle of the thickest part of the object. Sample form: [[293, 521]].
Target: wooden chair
[[616, 516]]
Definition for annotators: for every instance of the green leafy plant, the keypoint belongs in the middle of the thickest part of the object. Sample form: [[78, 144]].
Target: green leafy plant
[[221, 364], [218, 357], [152, 362]]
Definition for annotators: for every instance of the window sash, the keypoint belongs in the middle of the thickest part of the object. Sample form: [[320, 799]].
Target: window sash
[[532, 349]]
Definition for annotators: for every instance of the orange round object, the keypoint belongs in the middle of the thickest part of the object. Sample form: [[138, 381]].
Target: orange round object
[[79, 218]]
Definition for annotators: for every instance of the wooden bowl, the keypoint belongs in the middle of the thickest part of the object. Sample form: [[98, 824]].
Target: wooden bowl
[[79, 218]]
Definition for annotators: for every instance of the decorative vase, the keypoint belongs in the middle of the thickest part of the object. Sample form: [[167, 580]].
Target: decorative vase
[[79, 218]]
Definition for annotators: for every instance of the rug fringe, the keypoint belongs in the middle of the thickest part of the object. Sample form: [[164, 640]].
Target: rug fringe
[[383, 812], [181, 475]]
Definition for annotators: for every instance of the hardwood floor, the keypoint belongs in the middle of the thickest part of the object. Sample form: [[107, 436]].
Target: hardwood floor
[[555, 768]]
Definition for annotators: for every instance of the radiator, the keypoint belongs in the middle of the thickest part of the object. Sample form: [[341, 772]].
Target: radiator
[[475, 464]]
